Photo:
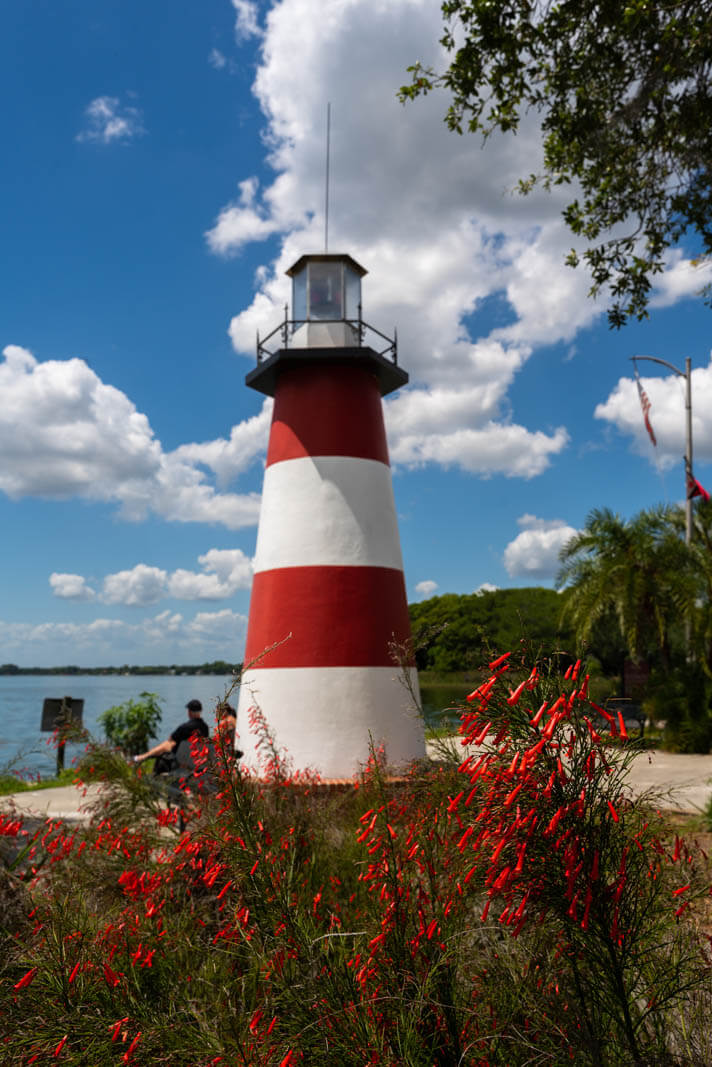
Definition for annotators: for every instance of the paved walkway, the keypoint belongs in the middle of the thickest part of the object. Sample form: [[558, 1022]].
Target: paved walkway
[[684, 782], [64, 802]]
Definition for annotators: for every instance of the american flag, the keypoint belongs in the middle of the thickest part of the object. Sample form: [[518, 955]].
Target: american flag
[[645, 405]]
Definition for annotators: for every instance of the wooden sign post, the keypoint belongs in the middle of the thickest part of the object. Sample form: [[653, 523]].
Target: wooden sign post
[[61, 715]]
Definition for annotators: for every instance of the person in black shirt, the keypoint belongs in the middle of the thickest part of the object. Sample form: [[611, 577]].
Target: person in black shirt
[[164, 749]]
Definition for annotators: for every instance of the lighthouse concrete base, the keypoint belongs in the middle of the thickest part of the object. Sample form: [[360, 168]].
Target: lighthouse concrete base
[[324, 719]]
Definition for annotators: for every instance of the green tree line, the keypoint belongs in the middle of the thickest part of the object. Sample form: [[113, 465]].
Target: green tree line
[[218, 666], [456, 633], [628, 590]]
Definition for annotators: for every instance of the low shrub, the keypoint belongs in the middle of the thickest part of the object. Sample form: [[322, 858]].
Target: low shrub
[[511, 907], [132, 725]]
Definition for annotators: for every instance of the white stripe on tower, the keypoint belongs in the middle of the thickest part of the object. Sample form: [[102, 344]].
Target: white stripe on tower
[[328, 595]]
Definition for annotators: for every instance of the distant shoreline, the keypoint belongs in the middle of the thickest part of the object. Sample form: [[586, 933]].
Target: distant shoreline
[[11, 670]]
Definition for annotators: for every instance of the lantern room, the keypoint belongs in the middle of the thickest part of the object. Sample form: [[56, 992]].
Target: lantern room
[[326, 288], [326, 300], [325, 325]]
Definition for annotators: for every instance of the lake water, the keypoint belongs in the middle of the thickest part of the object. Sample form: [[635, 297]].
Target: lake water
[[21, 698], [24, 748]]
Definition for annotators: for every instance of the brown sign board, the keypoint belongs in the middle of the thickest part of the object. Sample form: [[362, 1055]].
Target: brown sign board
[[52, 712]]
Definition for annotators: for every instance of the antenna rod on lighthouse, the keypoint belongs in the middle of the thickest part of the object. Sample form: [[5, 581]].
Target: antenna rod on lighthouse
[[326, 205]]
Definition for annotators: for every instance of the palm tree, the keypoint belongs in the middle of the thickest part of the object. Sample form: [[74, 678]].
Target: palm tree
[[638, 568]]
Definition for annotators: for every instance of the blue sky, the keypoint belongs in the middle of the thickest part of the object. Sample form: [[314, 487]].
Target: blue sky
[[164, 164]]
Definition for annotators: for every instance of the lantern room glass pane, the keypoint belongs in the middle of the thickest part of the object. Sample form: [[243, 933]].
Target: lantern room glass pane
[[299, 295], [325, 291], [353, 292]]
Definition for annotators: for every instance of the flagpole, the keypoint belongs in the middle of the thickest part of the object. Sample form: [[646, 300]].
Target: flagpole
[[688, 456], [687, 375]]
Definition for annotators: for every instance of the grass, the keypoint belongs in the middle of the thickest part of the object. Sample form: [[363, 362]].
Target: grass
[[10, 783]]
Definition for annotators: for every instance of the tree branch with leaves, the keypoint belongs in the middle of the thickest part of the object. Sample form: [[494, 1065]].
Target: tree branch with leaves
[[623, 93]]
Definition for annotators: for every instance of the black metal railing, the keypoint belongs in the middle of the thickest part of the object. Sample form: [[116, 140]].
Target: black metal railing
[[361, 329]]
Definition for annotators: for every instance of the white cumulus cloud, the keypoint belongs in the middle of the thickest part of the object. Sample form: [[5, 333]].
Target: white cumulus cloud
[[70, 587], [426, 587], [89, 441], [682, 278], [228, 458], [164, 638], [108, 120], [223, 572], [390, 165], [429, 214], [534, 553], [139, 586], [667, 411], [246, 19]]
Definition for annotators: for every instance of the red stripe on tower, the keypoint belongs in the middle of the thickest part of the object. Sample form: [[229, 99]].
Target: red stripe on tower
[[346, 401], [328, 600], [327, 616]]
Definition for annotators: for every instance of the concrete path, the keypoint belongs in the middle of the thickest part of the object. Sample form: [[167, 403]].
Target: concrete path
[[684, 782], [64, 802]]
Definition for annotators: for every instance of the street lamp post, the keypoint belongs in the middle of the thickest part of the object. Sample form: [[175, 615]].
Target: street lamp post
[[687, 375]]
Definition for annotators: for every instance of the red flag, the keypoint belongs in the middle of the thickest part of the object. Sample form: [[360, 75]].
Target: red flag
[[645, 405], [695, 489]]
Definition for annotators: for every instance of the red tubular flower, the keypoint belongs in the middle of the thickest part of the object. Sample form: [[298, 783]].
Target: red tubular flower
[[514, 696], [482, 734], [74, 972], [613, 811], [60, 1046], [111, 978], [500, 659], [482, 691], [520, 858], [537, 718], [554, 822], [676, 892], [509, 799], [26, 978], [130, 1050], [116, 1027]]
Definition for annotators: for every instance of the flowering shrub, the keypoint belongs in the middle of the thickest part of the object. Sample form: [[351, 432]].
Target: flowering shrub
[[518, 907]]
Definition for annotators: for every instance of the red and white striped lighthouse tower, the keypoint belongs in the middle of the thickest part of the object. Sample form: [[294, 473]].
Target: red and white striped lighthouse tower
[[328, 597]]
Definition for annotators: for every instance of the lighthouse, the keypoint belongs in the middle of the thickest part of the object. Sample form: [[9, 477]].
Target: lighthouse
[[328, 600]]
